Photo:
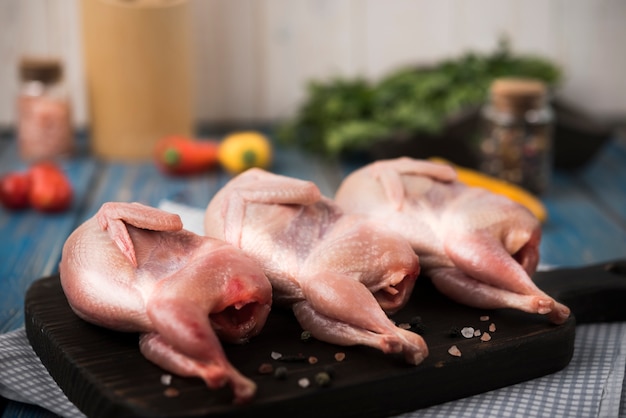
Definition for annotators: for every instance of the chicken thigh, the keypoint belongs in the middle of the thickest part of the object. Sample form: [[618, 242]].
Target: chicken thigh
[[339, 273], [133, 268], [479, 248]]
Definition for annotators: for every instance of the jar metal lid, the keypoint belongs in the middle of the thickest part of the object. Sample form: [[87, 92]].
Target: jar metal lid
[[46, 70]]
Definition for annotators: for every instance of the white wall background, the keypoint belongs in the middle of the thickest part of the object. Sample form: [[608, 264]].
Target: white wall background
[[254, 57]]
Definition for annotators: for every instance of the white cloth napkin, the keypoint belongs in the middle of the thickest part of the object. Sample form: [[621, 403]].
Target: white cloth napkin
[[24, 378], [590, 386]]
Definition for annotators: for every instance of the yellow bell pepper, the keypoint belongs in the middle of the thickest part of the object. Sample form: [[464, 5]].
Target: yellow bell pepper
[[242, 150]]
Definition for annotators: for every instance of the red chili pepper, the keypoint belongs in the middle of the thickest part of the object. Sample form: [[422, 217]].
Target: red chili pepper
[[182, 155]]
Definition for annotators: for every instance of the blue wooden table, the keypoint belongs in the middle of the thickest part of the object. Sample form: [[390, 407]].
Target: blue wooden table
[[587, 215]]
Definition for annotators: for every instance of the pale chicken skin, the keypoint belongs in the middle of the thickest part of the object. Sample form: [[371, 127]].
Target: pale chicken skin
[[339, 273], [478, 248], [134, 268]]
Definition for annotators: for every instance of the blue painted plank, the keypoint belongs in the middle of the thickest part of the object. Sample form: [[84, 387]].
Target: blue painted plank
[[578, 231], [22, 410], [31, 242], [325, 173], [585, 212], [144, 183], [605, 179]]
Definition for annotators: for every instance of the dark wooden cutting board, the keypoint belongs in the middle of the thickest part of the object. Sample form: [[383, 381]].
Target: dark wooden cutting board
[[104, 373]]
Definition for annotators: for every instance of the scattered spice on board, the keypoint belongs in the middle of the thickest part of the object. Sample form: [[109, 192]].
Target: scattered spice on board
[[485, 337], [467, 332], [266, 368], [171, 392], [305, 336], [322, 379], [454, 351], [492, 327], [484, 318], [304, 382], [294, 358], [340, 356], [312, 359], [477, 333]]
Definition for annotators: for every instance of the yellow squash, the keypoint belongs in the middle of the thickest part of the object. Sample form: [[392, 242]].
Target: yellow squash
[[516, 193]]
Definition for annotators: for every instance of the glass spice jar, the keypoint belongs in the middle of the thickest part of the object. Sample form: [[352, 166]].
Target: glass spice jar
[[43, 111], [516, 140]]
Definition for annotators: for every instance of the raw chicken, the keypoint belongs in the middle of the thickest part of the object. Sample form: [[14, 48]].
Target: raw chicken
[[339, 273], [479, 248], [133, 268]]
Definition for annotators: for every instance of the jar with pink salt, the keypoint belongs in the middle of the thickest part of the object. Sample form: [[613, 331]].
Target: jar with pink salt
[[43, 111]]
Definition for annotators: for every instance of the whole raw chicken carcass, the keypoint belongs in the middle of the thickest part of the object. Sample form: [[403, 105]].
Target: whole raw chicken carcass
[[339, 273], [479, 248], [133, 268]]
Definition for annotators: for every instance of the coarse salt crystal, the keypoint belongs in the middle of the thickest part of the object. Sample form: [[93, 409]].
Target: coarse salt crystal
[[484, 318], [166, 379], [492, 327], [467, 332], [454, 351], [276, 355], [304, 382], [485, 337], [477, 333]]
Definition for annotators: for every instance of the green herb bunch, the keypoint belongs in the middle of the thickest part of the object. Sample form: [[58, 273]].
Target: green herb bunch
[[351, 114]]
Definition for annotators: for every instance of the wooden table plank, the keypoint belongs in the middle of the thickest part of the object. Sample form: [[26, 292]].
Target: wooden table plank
[[324, 172], [31, 241], [587, 212], [22, 410], [605, 179], [143, 183], [578, 231]]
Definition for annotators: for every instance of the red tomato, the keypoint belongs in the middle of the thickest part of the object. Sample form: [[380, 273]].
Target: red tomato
[[14, 189], [50, 189]]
